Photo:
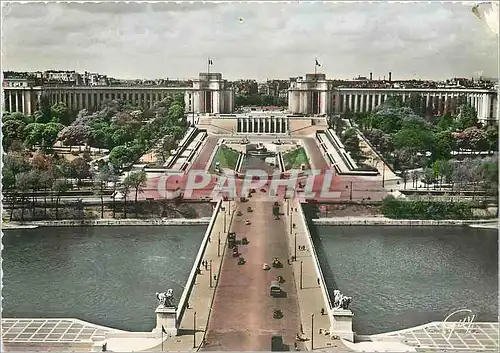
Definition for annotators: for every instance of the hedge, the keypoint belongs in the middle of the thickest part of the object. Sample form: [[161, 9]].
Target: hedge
[[418, 209]]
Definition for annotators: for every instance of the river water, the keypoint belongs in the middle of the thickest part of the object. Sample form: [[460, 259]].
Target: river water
[[104, 275], [400, 277]]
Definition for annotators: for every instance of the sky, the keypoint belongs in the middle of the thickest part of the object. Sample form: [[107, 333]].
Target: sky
[[273, 40]]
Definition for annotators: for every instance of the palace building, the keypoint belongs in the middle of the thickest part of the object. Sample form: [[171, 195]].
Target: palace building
[[209, 94], [315, 95]]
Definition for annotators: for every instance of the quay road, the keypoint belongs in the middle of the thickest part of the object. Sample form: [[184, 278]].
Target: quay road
[[242, 312]]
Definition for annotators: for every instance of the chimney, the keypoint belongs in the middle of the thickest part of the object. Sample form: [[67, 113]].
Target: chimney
[[371, 76], [390, 76]]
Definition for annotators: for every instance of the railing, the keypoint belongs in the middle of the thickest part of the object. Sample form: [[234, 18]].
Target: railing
[[197, 262], [239, 162], [317, 266], [351, 164], [281, 163], [193, 152], [183, 144]]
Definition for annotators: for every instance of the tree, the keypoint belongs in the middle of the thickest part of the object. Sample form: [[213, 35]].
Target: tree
[[26, 119], [492, 137], [125, 190], [60, 113], [404, 175], [176, 113], [380, 140], [472, 138], [80, 169], [45, 111], [467, 117], [446, 122], [50, 134], [74, 135], [12, 129], [166, 145], [415, 176], [416, 103], [23, 184], [489, 174], [351, 142], [59, 187], [443, 170], [33, 134], [16, 162], [460, 174], [136, 181], [9, 184], [428, 176], [46, 183], [413, 139], [444, 144], [34, 179], [121, 156], [102, 177]]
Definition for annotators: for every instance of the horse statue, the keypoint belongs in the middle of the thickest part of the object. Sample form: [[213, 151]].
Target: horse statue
[[166, 298], [346, 301], [341, 301]]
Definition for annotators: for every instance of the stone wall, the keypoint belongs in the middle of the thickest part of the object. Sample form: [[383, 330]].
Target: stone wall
[[350, 221], [123, 222]]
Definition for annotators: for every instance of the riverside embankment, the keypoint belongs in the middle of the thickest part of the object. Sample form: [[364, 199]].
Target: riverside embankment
[[109, 222], [384, 221]]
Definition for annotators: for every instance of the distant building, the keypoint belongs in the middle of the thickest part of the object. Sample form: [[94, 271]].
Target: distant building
[[63, 77], [315, 95], [209, 94]]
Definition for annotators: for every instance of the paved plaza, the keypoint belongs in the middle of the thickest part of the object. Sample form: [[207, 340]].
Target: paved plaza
[[438, 336], [72, 334]]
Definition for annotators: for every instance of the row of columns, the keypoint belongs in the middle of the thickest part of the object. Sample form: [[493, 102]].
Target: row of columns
[[440, 102], [93, 99], [263, 125], [18, 101]]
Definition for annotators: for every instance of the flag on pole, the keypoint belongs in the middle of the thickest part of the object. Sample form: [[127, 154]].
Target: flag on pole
[[163, 330], [317, 62], [210, 62]]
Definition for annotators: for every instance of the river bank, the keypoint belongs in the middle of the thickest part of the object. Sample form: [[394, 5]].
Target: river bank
[[108, 222], [384, 221]]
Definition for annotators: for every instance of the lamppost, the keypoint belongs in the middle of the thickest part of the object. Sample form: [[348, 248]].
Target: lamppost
[[312, 332], [291, 222], [295, 248], [301, 271], [383, 174], [210, 273], [218, 247], [350, 192], [194, 329], [225, 213]]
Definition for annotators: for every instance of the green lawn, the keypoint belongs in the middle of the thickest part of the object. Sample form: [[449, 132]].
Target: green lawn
[[226, 157], [295, 159]]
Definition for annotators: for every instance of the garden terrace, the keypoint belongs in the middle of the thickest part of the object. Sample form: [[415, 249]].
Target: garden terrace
[[296, 159], [227, 158]]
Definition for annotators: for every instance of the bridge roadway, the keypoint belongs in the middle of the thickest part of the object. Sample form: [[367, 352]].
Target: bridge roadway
[[242, 312]]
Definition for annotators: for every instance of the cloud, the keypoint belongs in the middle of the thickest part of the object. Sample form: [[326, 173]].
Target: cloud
[[275, 40]]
